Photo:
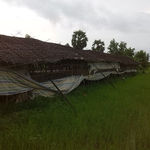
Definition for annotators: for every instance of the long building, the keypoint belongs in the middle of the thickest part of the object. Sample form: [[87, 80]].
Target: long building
[[29, 65]]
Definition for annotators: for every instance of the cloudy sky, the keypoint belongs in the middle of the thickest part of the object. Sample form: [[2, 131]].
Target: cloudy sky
[[56, 20]]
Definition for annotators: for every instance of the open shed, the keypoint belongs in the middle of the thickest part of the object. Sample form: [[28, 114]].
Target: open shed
[[28, 65]]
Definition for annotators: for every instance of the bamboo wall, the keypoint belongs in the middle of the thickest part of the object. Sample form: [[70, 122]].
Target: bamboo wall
[[58, 70]]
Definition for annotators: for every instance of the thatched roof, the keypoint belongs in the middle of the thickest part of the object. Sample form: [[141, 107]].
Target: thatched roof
[[94, 56], [15, 51]]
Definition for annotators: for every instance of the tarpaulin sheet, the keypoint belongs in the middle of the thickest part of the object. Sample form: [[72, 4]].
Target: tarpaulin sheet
[[65, 85], [102, 65], [12, 82], [99, 76]]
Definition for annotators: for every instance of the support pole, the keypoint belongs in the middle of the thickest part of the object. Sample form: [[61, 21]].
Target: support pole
[[117, 72], [63, 95], [103, 75]]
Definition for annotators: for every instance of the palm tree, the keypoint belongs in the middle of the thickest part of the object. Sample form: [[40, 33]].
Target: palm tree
[[98, 45]]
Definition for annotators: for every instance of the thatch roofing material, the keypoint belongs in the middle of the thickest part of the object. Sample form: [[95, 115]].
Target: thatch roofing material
[[105, 57], [15, 50], [28, 51]]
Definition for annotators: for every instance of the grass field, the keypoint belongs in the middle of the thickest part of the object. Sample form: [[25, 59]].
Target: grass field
[[106, 119]]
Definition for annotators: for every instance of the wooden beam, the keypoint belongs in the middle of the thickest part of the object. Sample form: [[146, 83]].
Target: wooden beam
[[103, 75], [116, 71]]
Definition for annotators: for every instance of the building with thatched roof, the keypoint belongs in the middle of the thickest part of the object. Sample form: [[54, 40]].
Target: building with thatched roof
[[25, 63]]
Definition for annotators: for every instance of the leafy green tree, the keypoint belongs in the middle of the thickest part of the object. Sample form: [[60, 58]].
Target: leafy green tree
[[113, 47], [129, 52], [122, 48], [79, 39], [98, 45], [142, 57]]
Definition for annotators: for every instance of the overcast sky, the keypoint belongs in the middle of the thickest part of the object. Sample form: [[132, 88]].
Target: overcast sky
[[56, 20]]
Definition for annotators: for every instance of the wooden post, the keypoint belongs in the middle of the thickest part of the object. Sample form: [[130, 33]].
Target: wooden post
[[103, 74], [117, 72], [63, 95]]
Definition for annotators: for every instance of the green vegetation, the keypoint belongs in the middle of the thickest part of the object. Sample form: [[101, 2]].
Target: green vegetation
[[121, 49], [143, 58], [107, 118], [98, 45], [79, 39]]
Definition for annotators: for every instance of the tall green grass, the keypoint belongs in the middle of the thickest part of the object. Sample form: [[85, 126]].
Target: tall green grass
[[106, 118]]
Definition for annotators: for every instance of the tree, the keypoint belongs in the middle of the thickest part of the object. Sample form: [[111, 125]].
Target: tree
[[98, 45], [67, 44], [113, 47], [79, 39], [122, 48], [27, 36], [129, 52], [142, 57]]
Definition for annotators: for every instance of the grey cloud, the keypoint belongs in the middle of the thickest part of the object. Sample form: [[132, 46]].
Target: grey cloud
[[129, 23], [87, 14], [121, 17], [76, 12]]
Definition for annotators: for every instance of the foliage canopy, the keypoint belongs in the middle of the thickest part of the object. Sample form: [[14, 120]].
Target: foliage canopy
[[113, 47], [142, 57], [79, 40], [98, 45]]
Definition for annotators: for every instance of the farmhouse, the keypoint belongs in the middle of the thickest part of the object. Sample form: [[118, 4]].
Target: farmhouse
[[29, 66]]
